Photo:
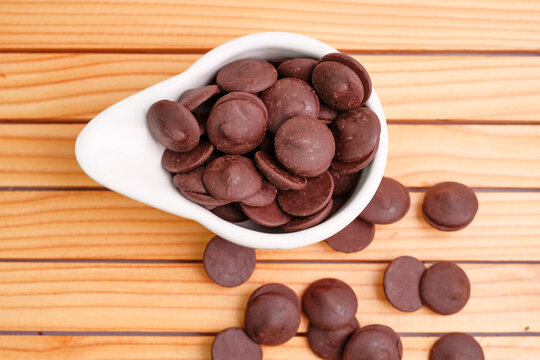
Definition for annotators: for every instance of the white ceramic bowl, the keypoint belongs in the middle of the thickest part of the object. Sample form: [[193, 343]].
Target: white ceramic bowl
[[116, 150]]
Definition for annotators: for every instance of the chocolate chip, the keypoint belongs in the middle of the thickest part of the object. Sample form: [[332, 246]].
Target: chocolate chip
[[390, 332], [445, 288], [263, 197], [301, 223], [230, 212], [249, 75], [276, 288], [180, 162], [354, 237], [297, 68], [280, 178], [310, 199], [271, 319], [389, 204], [456, 346], [330, 303], [344, 184], [370, 345], [304, 146], [192, 98], [288, 98], [191, 181], [173, 126], [449, 206], [402, 283], [228, 264], [269, 215], [207, 201], [329, 344], [234, 343]]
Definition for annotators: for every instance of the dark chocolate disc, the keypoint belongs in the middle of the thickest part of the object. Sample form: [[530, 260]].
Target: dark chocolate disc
[[234, 343], [297, 68], [310, 199], [270, 215], [354, 237], [329, 344], [276, 288], [402, 283], [370, 345], [249, 75], [456, 346], [180, 162], [192, 98], [279, 177], [305, 222], [389, 204]]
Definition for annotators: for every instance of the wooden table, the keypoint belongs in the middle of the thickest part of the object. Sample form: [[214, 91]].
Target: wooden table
[[101, 276]]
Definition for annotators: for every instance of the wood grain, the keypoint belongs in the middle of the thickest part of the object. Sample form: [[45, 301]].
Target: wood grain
[[198, 348], [105, 225], [64, 87], [419, 155], [360, 25], [179, 297]]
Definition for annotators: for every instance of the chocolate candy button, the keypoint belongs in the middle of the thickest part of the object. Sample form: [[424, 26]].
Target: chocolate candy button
[[207, 201], [237, 124], [329, 344], [356, 134], [287, 98], [370, 345], [402, 283], [445, 288], [249, 75], [195, 97], [352, 168], [456, 346], [390, 203], [304, 146], [279, 177], [344, 184], [180, 162], [390, 332], [301, 223], [234, 343], [264, 197], [310, 199], [297, 68], [232, 177], [230, 212], [329, 303], [228, 264], [276, 288], [354, 237], [271, 319], [449, 206], [191, 181], [269, 215], [173, 126]]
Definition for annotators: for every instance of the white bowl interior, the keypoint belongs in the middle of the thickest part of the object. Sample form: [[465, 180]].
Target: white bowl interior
[[116, 150]]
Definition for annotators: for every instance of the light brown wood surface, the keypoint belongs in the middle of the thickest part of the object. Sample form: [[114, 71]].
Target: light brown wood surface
[[180, 297], [67, 87], [419, 155], [360, 25], [198, 348], [105, 225]]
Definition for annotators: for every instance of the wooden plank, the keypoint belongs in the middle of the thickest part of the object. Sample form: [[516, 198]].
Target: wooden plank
[[179, 297], [463, 88], [198, 348], [358, 25], [419, 155], [105, 225]]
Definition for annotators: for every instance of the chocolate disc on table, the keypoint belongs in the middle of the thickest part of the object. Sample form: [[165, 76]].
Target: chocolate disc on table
[[232, 177], [329, 344], [402, 283], [449, 206], [192, 98], [206, 201], [354, 237], [264, 197], [301, 223], [353, 64], [180, 162], [249, 75], [191, 181], [228, 264], [297, 68], [357, 134], [390, 332], [271, 319], [344, 184], [352, 168], [330, 303], [280, 178], [327, 114], [370, 345], [173, 126], [269, 215], [234, 343], [445, 288], [276, 288], [389, 204], [288, 98], [310, 199], [304, 146], [230, 212], [237, 126], [456, 346]]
